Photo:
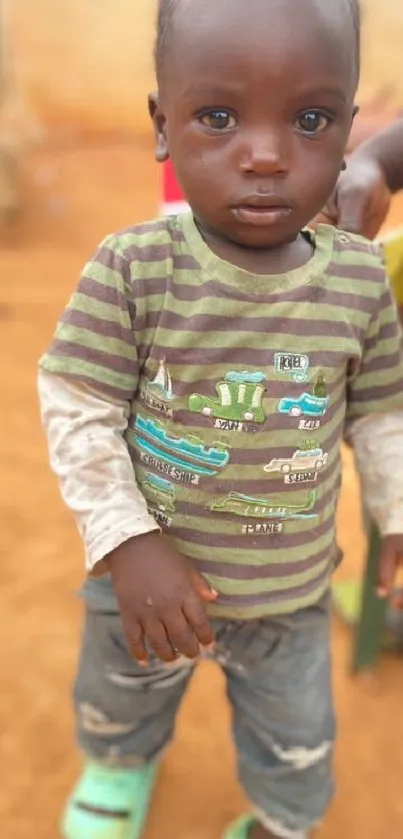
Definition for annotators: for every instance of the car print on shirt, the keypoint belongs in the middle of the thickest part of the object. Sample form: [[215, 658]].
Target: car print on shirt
[[301, 461], [305, 405]]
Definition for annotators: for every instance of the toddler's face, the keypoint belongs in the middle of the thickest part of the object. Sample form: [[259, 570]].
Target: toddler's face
[[255, 110]]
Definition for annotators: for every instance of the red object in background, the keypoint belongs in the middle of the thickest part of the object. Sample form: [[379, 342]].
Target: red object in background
[[173, 200]]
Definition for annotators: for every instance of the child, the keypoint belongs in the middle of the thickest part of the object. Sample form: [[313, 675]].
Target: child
[[195, 396]]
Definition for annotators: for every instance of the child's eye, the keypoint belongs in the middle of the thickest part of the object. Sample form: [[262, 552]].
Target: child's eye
[[313, 122], [218, 120]]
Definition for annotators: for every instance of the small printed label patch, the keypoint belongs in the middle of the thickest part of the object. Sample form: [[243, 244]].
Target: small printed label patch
[[228, 425], [263, 528], [156, 404], [173, 472], [292, 364], [301, 478], [162, 519], [309, 425]]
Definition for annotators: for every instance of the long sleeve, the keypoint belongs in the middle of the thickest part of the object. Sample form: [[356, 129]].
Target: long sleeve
[[375, 416], [378, 447], [90, 458]]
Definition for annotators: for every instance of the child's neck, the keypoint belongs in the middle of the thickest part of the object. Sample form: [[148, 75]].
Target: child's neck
[[275, 260]]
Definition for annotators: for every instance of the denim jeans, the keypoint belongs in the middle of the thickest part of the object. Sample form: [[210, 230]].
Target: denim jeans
[[278, 675]]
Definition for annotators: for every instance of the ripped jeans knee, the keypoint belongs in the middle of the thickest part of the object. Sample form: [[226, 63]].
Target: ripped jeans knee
[[283, 718], [125, 714]]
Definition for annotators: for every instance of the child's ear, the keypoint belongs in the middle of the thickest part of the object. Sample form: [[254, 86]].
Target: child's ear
[[354, 114], [159, 122]]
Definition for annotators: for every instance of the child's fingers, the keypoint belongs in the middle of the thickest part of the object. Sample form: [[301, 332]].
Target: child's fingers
[[158, 640], [197, 618], [135, 640]]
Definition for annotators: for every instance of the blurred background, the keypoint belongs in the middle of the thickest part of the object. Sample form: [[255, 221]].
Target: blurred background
[[76, 161]]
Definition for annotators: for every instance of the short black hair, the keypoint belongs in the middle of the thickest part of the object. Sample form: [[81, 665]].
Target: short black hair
[[165, 14], [166, 11]]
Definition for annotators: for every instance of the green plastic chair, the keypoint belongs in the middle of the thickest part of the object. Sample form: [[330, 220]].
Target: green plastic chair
[[358, 605]]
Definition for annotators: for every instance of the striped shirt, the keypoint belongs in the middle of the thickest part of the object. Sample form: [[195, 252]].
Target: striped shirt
[[239, 387]]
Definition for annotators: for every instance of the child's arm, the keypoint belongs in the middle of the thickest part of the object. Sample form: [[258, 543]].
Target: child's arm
[[375, 429], [87, 381], [90, 457]]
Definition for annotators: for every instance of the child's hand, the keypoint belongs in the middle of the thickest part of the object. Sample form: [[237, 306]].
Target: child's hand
[[160, 599], [390, 559]]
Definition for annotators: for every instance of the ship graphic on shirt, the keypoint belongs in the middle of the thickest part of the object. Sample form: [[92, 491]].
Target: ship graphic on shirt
[[187, 453]]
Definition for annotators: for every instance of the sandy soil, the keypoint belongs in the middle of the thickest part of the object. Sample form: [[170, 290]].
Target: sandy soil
[[74, 197]]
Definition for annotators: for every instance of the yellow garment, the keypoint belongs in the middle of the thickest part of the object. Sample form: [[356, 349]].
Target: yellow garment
[[392, 245]]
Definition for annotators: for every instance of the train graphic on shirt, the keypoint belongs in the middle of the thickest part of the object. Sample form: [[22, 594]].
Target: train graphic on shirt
[[240, 399]]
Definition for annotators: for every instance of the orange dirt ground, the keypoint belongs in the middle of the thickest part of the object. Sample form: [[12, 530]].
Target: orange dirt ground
[[73, 198]]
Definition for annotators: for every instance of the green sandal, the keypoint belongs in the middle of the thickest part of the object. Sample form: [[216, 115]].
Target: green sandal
[[109, 803], [240, 829]]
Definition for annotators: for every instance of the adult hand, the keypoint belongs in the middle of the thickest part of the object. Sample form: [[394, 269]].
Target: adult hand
[[361, 200]]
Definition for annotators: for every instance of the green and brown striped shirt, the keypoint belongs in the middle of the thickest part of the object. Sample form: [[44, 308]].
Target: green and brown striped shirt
[[239, 388]]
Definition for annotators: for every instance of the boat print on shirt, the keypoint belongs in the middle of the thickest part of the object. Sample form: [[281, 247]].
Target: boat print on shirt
[[158, 393], [161, 385], [177, 457]]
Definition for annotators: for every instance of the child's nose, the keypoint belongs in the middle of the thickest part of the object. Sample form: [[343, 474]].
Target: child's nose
[[264, 154]]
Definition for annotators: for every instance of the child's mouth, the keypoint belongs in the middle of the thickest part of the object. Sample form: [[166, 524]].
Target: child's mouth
[[263, 215]]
